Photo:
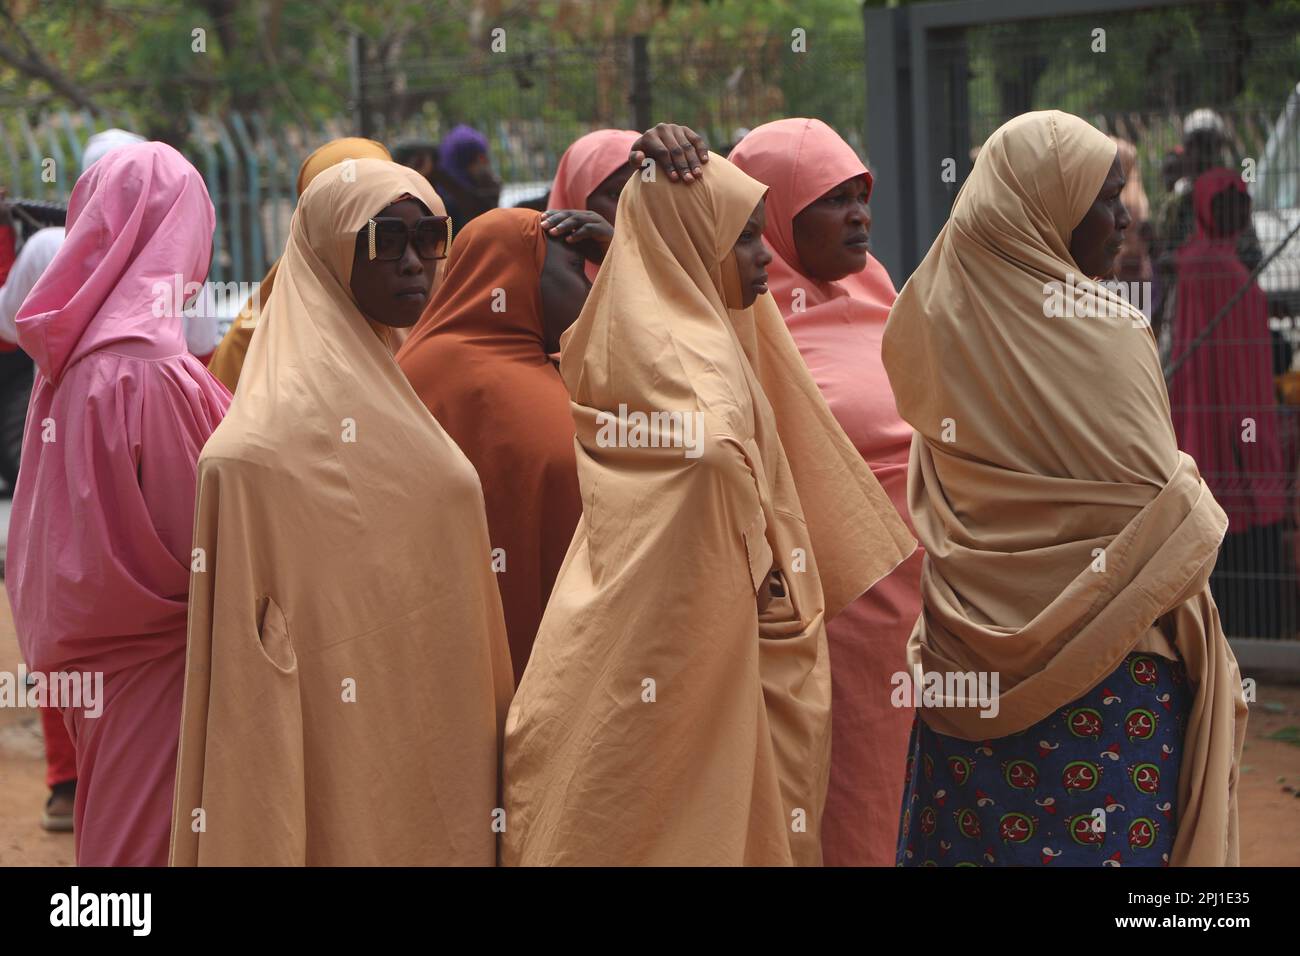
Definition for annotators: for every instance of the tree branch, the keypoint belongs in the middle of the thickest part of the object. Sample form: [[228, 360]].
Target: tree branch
[[33, 64]]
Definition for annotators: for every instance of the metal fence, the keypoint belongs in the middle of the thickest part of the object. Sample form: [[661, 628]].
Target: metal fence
[[533, 102], [250, 167]]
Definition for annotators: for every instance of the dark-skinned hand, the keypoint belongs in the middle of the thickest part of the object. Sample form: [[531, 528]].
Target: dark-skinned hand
[[582, 228], [678, 149]]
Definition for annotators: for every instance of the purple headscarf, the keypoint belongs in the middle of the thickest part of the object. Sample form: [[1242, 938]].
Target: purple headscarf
[[458, 149]]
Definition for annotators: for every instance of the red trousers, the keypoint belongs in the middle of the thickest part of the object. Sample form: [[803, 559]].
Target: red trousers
[[60, 755]]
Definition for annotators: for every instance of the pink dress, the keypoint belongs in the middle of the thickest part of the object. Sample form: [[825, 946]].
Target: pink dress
[[99, 547], [838, 327]]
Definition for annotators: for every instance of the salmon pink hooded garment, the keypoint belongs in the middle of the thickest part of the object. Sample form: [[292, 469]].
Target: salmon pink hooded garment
[[103, 514], [838, 328], [588, 162]]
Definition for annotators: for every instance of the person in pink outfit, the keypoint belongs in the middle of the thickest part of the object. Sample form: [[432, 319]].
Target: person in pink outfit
[[100, 538], [591, 175], [835, 298]]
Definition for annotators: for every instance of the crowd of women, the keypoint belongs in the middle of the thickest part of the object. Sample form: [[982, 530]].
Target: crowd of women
[[401, 600]]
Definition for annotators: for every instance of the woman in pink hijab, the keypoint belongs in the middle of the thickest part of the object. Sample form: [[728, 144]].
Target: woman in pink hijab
[[835, 298], [99, 545], [591, 175]]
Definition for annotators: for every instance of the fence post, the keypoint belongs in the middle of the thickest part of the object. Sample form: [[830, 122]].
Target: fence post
[[639, 95], [254, 193], [889, 139], [217, 271], [357, 71]]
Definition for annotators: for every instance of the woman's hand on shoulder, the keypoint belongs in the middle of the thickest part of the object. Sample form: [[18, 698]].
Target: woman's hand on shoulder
[[580, 227]]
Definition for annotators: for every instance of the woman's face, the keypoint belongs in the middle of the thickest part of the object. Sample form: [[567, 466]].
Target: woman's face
[[564, 288], [604, 198], [831, 233], [1096, 239], [752, 257], [393, 291]]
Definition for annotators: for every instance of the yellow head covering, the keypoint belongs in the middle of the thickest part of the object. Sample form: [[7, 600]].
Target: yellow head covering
[[673, 557], [327, 454], [228, 359], [1060, 521]]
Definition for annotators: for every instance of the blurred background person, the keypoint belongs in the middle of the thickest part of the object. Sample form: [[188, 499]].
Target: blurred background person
[[1224, 408], [465, 178]]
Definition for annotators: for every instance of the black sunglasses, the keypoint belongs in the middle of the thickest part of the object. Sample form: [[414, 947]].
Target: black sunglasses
[[431, 236]]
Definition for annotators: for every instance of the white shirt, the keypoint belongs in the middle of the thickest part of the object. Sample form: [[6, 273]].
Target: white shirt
[[33, 258]]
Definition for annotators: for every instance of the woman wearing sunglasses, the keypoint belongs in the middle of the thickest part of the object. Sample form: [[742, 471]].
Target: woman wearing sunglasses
[[348, 670]]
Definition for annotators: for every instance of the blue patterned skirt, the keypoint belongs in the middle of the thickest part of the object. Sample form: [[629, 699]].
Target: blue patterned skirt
[[1091, 785]]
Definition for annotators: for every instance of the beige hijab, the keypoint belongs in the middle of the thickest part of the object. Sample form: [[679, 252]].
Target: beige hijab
[[665, 718], [1061, 524], [348, 671]]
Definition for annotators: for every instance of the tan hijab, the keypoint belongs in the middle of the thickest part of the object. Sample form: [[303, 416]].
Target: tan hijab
[[1059, 519], [664, 718], [228, 360], [348, 672]]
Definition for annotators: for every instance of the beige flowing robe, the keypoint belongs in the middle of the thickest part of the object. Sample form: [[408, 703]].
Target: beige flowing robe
[[348, 671], [665, 718], [1063, 528]]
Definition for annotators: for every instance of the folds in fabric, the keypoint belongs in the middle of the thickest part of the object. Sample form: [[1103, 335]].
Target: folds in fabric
[[838, 327], [676, 706], [478, 361], [339, 708], [99, 539], [1061, 524], [99, 544]]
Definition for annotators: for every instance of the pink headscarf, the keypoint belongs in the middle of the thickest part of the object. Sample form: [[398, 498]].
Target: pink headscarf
[[103, 514], [99, 546], [588, 161], [1229, 378], [801, 160], [838, 331]]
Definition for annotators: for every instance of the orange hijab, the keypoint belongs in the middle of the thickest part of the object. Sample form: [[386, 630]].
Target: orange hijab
[[477, 360]]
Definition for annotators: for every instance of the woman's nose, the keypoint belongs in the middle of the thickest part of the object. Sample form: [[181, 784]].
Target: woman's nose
[[411, 264]]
